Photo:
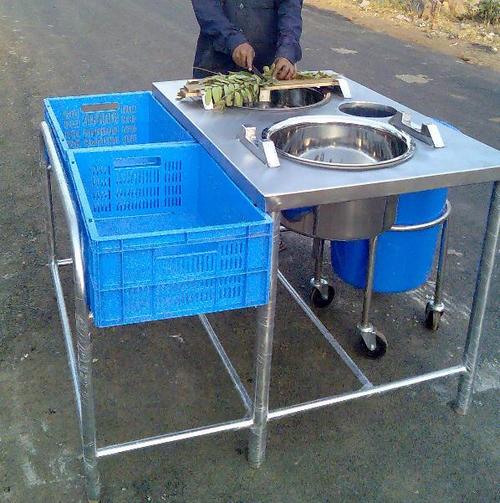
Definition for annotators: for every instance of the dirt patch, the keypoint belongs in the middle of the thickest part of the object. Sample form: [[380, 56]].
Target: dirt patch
[[470, 42]]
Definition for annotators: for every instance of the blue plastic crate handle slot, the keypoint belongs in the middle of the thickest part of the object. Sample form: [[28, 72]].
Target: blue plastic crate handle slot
[[137, 162], [100, 107]]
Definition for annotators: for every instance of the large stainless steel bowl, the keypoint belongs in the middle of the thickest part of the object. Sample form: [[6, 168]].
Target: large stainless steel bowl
[[294, 99], [360, 219], [337, 142]]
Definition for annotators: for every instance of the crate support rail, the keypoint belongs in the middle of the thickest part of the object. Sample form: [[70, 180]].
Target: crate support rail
[[258, 413]]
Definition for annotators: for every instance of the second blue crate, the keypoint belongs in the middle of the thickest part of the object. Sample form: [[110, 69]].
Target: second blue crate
[[166, 234]]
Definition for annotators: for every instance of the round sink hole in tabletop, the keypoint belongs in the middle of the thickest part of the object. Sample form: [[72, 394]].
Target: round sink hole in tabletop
[[367, 109]]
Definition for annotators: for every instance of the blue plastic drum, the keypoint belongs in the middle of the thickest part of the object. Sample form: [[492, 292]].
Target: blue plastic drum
[[404, 259]]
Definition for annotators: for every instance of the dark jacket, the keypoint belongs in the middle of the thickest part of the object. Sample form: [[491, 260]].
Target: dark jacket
[[272, 27]]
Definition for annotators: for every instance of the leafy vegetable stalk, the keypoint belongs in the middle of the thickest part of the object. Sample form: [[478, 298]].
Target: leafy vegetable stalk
[[242, 88]]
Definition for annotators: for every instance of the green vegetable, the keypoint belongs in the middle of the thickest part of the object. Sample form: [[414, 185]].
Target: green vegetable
[[238, 99], [243, 88], [208, 97]]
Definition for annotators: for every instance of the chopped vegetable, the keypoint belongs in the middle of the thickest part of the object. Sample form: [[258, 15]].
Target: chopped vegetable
[[242, 88]]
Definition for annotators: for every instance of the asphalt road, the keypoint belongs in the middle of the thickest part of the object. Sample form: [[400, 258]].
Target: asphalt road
[[408, 446]]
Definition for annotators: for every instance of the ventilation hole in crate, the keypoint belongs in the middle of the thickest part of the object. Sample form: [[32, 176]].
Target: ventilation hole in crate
[[231, 288], [201, 292], [129, 113], [101, 188], [72, 114], [100, 132], [200, 264], [137, 189], [232, 256], [71, 124], [130, 132], [187, 294], [190, 265], [173, 184], [73, 137], [106, 120]]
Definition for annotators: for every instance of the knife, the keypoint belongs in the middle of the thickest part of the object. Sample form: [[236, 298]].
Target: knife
[[257, 72]]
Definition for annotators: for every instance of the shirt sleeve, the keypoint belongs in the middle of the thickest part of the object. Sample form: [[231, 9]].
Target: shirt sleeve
[[215, 24], [289, 30]]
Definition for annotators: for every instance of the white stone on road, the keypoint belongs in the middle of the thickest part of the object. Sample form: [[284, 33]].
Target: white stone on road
[[414, 79], [488, 376], [343, 50]]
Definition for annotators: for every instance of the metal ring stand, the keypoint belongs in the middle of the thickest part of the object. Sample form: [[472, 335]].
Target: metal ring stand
[[373, 339], [258, 413]]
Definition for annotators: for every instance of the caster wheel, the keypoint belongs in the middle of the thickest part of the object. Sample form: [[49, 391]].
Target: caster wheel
[[380, 348], [432, 318], [317, 300]]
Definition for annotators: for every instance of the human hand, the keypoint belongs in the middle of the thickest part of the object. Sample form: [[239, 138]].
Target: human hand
[[244, 55], [284, 69]]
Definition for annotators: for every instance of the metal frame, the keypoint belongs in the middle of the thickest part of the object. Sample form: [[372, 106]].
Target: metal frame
[[258, 413]]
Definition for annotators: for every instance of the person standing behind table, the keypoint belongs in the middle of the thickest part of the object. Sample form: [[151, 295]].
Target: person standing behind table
[[237, 34]]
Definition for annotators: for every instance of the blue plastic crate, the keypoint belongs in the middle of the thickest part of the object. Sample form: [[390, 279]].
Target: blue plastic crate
[[166, 234], [110, 120]]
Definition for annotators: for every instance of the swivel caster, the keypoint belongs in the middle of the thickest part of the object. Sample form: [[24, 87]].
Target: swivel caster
[[433, 314], [373, 343], [322, 294]]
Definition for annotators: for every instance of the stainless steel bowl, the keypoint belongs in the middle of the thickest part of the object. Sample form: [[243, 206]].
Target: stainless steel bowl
[[337, 142], [360, 219], [294, 99], [367, 109]]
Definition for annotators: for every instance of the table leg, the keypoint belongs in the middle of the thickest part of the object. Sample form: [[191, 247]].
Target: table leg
[[83, 385], [88, 430], [370, 275], [375, 343], [441, 267], [479, 304], [263, 355], [51, 235]]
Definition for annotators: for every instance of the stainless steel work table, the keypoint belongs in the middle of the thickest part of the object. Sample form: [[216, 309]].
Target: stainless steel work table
[[462, 161]]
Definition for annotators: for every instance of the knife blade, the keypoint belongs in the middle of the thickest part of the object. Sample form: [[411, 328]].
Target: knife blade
[[257, 72]]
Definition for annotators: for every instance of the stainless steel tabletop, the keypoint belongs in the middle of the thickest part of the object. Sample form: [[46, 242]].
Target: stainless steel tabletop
[[462, 161]]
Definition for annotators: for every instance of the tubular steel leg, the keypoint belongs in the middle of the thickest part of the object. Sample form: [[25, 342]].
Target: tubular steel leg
[[51, 235], [441, 267], [84, 343], [434, 309], [318, 252], [318, 281], [369, 282], [82, 316], [53, 266], [479, 303], [263, 355], [365, 328]]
